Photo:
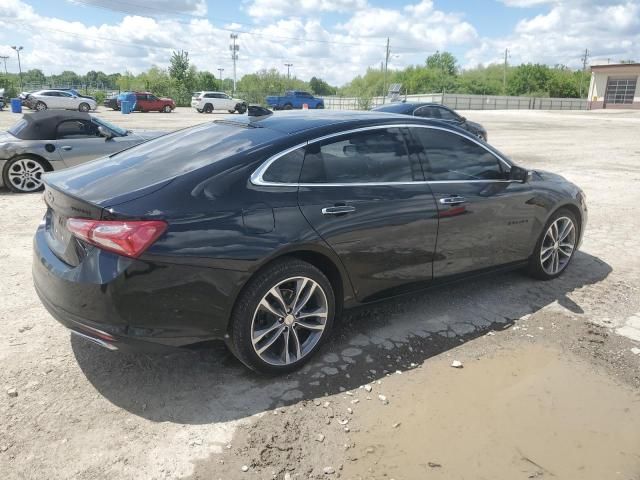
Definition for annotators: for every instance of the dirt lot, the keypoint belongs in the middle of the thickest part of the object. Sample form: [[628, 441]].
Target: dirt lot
[[550, 384]]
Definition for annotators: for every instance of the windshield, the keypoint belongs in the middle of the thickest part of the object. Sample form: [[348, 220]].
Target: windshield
[[121, 132], [17, 127]]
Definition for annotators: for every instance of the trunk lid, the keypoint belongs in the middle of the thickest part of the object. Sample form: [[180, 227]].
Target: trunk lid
[[61, 207]]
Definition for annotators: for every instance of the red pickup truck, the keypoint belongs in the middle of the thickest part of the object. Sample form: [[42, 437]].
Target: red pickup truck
[[147, 102]]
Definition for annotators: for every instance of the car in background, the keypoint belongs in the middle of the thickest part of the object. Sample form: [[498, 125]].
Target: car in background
[[57, 99], [294, 99], [54, 139], [207, 102], [435, 111], [148, 102], [261, 230], [111, 102]]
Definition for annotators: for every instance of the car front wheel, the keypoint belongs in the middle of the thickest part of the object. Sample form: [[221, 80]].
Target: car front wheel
[[167, 109], [556, 246], [84, 107], [282, 317], [41, 106]]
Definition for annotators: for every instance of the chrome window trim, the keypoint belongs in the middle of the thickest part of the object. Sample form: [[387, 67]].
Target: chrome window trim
[[257, 180]]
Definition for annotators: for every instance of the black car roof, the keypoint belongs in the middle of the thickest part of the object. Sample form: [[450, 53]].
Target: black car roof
[[405, 107], [292, 122], [42, 125]]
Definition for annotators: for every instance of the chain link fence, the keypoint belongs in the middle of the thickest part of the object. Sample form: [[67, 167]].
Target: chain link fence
[[463, 102]]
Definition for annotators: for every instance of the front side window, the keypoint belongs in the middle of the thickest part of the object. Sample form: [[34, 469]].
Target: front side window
[[448, 156], [153, 98], [426, 112], [378, 155], [447, 114], [70, 129]]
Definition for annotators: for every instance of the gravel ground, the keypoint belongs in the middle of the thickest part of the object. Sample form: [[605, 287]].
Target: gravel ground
[[72, 410]]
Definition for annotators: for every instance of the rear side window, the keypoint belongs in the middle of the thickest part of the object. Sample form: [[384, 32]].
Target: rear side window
[[449, 156], [427, 112], [285, 169], [364, 157], [446, 114]]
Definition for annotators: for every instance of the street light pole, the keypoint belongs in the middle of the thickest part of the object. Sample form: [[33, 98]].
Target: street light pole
[[288, 65], [220, 70], [17, 49]]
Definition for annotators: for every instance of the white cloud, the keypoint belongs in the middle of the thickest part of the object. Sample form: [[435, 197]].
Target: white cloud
[[146, 7], [525, 3], [280, 8], [610, 29]]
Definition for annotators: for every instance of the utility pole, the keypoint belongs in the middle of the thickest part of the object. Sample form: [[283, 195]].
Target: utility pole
[[585, 57], [386, 67], [288, 65], [4, 58], [504, 72], [17, 49], [220, 70], [234, 56]]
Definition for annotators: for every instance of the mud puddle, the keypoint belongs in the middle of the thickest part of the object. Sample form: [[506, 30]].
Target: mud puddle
[[527, 412]]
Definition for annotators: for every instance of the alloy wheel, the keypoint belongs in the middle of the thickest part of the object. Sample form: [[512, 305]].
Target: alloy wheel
[[289, 321], [25, 175], [557, 245]]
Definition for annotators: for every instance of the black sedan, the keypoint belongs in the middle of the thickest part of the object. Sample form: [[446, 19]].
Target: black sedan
[[260, 231], [435, 111]]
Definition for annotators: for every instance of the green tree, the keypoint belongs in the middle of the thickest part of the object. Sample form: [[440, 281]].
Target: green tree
[[529, 79], [320, 87], [444, 62]]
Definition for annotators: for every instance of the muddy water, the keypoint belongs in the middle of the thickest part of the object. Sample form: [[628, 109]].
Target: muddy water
[[531, 412]]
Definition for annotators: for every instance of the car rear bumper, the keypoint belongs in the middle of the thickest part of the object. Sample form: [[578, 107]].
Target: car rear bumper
[[124, 303]]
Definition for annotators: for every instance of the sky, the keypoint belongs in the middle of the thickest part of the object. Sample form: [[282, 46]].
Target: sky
[[331, 39]]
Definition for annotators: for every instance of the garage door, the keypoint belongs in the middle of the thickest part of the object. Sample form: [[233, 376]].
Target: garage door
[[621, 90]]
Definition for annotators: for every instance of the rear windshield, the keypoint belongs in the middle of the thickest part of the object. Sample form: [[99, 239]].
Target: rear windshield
[[160, 159], [18, 127]]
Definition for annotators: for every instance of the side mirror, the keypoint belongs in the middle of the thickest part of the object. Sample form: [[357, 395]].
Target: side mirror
[[520, 174], [105, 132], [463, 119]]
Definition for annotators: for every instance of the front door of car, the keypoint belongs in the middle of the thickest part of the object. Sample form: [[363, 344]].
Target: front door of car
[[142, 102], [224, 102], [53, 100], [78, 141], [67, 100], [485, 218], [363, 192]]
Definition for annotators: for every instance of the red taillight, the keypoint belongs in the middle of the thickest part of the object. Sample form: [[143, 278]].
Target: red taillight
[[128, 238]]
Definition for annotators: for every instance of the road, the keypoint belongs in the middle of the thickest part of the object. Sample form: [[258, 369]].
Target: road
[[549, 387]]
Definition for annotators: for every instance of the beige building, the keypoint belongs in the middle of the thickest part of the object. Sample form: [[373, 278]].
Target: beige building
[[615, 86]]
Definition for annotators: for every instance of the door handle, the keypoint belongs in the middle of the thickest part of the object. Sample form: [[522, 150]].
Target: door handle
[[453, 200], [67, 147], [338, 210]]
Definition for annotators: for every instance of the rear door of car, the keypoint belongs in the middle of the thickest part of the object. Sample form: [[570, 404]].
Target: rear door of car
[[52, 99], [363, 192], [485, 218]]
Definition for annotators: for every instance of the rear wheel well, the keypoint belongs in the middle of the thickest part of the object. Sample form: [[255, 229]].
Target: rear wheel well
[[45, 163], [318, 260]]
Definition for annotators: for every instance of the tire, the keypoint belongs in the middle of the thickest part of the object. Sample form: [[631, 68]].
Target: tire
[[208, 108], [249, 316], [167, 109], [288, 106], [84, 107], [40, 106], [545, 267], [241, 108], [231, 111], [199, 110], [320, 106], [24, 174]]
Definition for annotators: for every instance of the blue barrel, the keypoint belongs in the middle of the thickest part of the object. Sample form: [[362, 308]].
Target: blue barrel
[[125, 107], [16, 105]]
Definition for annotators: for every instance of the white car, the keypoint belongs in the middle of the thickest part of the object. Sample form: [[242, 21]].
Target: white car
[[207, 102], [60, 99]]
